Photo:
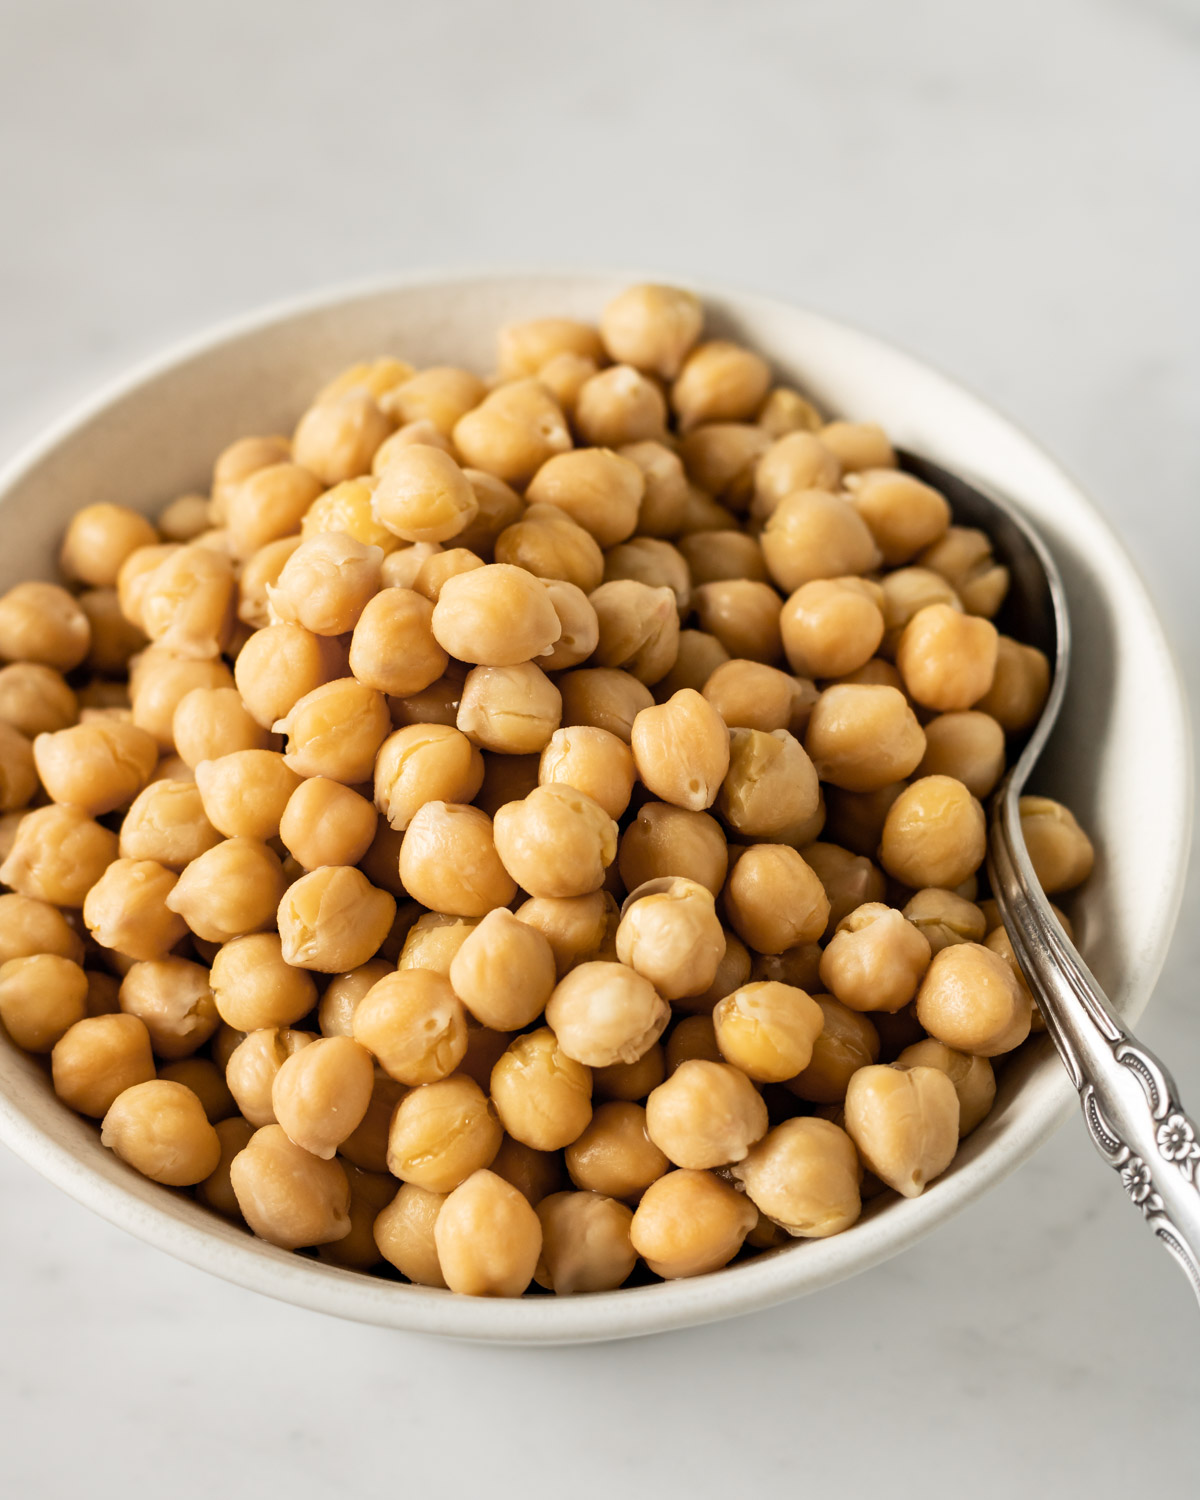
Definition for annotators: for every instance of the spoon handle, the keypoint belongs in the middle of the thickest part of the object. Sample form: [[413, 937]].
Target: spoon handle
[[1129, 1099]]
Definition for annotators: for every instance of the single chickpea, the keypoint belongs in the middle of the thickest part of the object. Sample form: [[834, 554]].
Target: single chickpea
[[813, 534], [216, 1190], [971, 1000], [594, 762], [855, 819], [546, 542], [534, 1174], [631, 1081], [401, 567], [848, 1041], [159, 681], [968, 745], [670, 934], [850, 880], [230, 890], [523, 348], [602, 1013], [348, 507], [370, 1192], [424, 763], [488, 1238], [268, 505], [692, 1037], [97, 1059], [615, 1155], [245, 793], [207, 1082], [35, 699], [719, 382], [187, 603], [752, 695], [963, 556], [326, 584], [542, 1096], [423, 495], [555, 842], [440, 394], [713, 556], [337, 438], [934, 834], [947, 658], [321, 1093], [1060, 852], [796, 461], [326, 823], [973, 1078], [343, 994], [585, 1243], [875, 960], [574, 926], [831, 626], [496, 616], [29, 926], [449, 861], [504, 972], [944, 918], [798, 965], [377, 377], [859, 446], [422, 433], [393, 648], [42, 623], [513, 431], [211, 722], [433, 940], [804, 1175], [904, 1122], [638, 628], [333, 919], [366, 1147], [665, 840], [166, 822], [665, 498], [336, 731], [653, 562], [578, 624], [904, 515], [404, 1234], [161, 1130], [437, 568], [743, 614], [412, 1021], [113, 640], [698, 657], [774, 900], [770, 786], [172, 997], [441, 1133], [768, 1030], [596, 487], [41, 997], [253, 986], [652, 327], [706, 1114], [58, 855], [511, 710], [19, 774], [288, 1196], [721, 457], [681, 750], [564, 376], [603, 697], [620, 406], [134, 575], [703, 513], [238, 462], [129, 909], [98, 539], [279, 666], [786, 411], [253, 1065], [689, 1223]]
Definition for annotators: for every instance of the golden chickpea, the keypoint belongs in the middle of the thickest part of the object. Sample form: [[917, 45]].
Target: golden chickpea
[[947, 658], [212, 722], [713, 556], [166, 822], [129, 909], [404, 1234], [321, 1093], [172, 997], [440, 394], [98, 1058], [35, 699], [1060, 852], [510, 710], [875, 960], [944, 918], [280, 665], [903, 514], [812, 534], [564, 376], [253, 986], [1020, 686], [786, 411], [721, 457], [449, 862], [706, 1114], [848, 1041], [681, 750], [534, 1174], [513, 431], [631, 1081], [367, 1146], [41, 997], [968, 745], [252, 1067], [159, 681], [904, 1122], [546, 542], [326, 823], [585, 1243], [602, 1013], [743, 614], [934, 834], [578, 625], [859, 446], [161, 1130], [58, 855], [664, 840], [524, 348], [971, 1000], [98, 539], [615, 1155], [114, 641], [336, 731], [488, 1238], [770, 786], [337, 438], [424, 763], [230, 890], [498, 616], [594, 762], [134, 575], [620, 406], [653, 562], [703, 513], [692, 1037], [42, 623], [413, 1022], [796, 461], [768, 1030], [973, 1078], [855, 819], [333, 919], [603, 697], [555, 842], [207, 1082], [423, 495], [850, 880], [574, 926], [245, 793], [804, 1175], [19, 776], [287, 1195], [29, 926], [652, 327], [732, 972], [268, 505], [906, 591], [186, 604], [393, 648], [752, 695], [689, 1223], [638, 628], [441, 1133], [963, 557], [343, 995], [666, 487], [433, 940], [596, 487], [670, 934], [504, 971], [698, 657], [239, 461], [326, 584], [719, 382], [348, 507], [774, 900], [216, 1191], [542, 1096], [797, 965], [831, 626], [370, 1192]]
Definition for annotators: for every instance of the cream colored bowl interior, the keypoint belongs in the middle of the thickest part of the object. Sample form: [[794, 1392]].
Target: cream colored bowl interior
[[1120, 756]]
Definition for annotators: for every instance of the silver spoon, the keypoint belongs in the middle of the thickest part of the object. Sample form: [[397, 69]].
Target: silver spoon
[[1129, 1100]]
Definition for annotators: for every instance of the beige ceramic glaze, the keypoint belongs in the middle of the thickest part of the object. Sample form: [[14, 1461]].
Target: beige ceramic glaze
[[1120, 756]]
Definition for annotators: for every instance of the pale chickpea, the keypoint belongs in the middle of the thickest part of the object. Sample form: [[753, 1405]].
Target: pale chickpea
[[404, 1233], [665, 840], [602, 1013], [875, 960], [36, 699], [1060, 852], [488, 1238], [337, 438], [848, 1041], [906, 591], [638, 628], [619, 406], [42, 623], [348, 507], [555, 842], [333, 919], [393, 648], [653, 562], [41, 997], [424, 763], [187, 603], [768, 1030], [743, 614], [681, 750], [546, 542], [321, 1093], [161, 1130], [652, 327], [211, 722], [433, 940], [449, 861], [947, 658], [513, 431], [245, 793], [585, 1243], [238, 461], [752, 695], [786, 410], [774, 900], [412, 1021], [401, 567], [522, 349], [689, 1223], [706, 1114], [336, 731], [158, 682], [944, 918], [288, 1196], [253, 986], [280, 665], [796, 461], [268, 505], [596, 487], [574, 926], [174, 1000], [542, 1096], [440, 394], [216, 1191], [441, 1133], [963, 556], [904, 1122], [903, 514], [229, 890], [130, 909], [859, 445], [973, 1078], [166, 822], [971, 1000], [423, 495], [58, 855], [578, 624], [665, 499], [670, 934], [511, 710], [719, 382], [771, 785], [326, 584], [698, 657], [593, 761], [326, 823], [496, 616], [440, 566], [968, 745], [252, 1067], [831, 626], [97, 541], [814, 534], [29, 926], [504, 971], [604, 697], [97, 1059], [804, 1175], [934, 834]]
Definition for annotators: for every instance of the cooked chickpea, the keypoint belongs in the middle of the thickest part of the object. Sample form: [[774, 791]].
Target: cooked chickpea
[[578, 624], [848, 1041], [534, 1174], [574, 926], [216, 1190], [653, 562], [253, 986], [546, 542], [768, 1030], [58, 855], [279, 666], [786, 411], [321, 1093], [433, 940], [542, 1096], [831, 626], [343, 994], [207, 1082], [524, 348], [245, 793], [239, 461], [804, 1175], [665, 840], [631, 1081], [333, 919], [367, 1146], [98, 1058], [638, 628], [585, 1243], [441, 1133], [719, 382], [968, 745], [774, 900], [593, 761], [498, 616], [510, 710], [393, 648], [904, 1122], [424, 763], [186, 604], [603, 697], [130, 909], [813, 534], [230, 890], [173, 998], [681, 750], [706, 1114], [596, 487], [337, 437], [166, 822], [268, 505], [693, 1037], [850, 880], [796, 462], [973, 1078], [326, 823], [35, 699], [698, 657], [253, 1064], [488, 1238], [287, 1195], [721, 457], [963, 556], [859, 445], [945, 918], [971, 1000], [619, 406], [212, 722], [29, 926], [336, 731], [934, 834], [423, 495], [903, 514], [689, 1223], [513, 431], [449, 861], [1060, 852], [875, 960], [404, 1233], [652, 327], [615, 1155], [42, 623], [713, 556], [42, 996], [602, 1013], [19, 775], [504, 971], [348, 507], [670, 934], [743, 614], [412, 1021], [771, 785], [161, 1130], [555, 842], [752, 695], [665, 498], [159, 681], [114, 641], [947, 658], [326, 584], [98, 539]]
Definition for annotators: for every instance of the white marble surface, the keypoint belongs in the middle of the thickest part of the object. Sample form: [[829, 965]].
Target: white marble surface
[[1009, 190]]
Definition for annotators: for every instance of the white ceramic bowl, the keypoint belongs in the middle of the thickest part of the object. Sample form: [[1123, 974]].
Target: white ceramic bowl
[[1120, 758]]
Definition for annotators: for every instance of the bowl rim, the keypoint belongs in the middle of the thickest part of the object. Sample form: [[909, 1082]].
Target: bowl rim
[[227, 1251]]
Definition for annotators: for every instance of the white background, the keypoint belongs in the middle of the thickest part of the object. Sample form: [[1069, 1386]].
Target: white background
[[1009, 190]]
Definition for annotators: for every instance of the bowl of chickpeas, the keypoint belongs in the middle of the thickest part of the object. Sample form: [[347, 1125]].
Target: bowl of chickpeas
[[493, 785]]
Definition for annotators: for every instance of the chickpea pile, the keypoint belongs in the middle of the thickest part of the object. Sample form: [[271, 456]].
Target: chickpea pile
[[525, 831]]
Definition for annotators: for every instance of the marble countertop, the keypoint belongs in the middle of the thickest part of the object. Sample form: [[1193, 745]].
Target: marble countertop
[[1007, 190]]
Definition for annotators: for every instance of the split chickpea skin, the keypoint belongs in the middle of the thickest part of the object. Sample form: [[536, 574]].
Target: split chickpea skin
[[513, 829]]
